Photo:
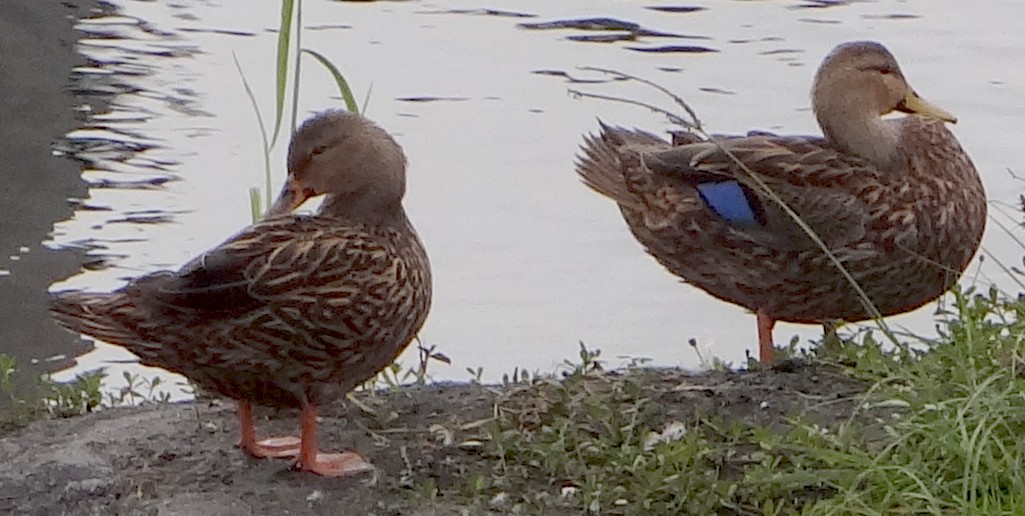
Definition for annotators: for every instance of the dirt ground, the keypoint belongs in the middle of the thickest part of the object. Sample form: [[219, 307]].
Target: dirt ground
[[179, 459]]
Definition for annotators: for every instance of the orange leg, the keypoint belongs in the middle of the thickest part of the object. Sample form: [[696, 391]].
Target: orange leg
[[765, 347], [326, 464], [276, 447]]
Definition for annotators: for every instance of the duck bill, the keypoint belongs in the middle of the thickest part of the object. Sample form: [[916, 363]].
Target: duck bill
[[912, 103], [292, 195]]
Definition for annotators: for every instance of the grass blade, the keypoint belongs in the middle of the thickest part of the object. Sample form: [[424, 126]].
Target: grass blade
[[284, 35], [343, 85], [254, 194], [298, 65]]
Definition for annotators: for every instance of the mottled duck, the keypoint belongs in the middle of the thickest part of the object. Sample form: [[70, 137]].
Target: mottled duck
[[896, 201], [295, 310]]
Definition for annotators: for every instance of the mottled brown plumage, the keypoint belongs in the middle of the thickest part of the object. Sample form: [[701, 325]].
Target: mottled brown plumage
[[897, 201], [295, 310]]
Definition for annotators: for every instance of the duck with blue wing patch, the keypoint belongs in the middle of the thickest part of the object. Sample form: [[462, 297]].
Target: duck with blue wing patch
[[729, 200], [896, 201]]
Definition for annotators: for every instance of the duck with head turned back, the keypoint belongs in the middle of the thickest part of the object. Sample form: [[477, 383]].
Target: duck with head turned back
[[896, 200], [295, 310]]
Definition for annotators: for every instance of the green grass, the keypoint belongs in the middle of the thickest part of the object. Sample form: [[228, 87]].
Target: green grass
[[84, 394], [590, 442], [938, 431], [47, 398], [958, 447]]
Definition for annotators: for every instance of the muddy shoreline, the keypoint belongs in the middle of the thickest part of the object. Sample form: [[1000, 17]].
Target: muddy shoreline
[[180, 459]]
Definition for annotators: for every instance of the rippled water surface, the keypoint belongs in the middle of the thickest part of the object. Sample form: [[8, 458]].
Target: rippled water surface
[[527, 261]]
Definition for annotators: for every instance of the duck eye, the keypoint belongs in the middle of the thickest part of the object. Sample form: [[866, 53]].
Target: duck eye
[[318, 150], [885, 70]]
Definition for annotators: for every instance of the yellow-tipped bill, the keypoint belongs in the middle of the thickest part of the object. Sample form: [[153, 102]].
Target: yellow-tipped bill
[[912, 103], [292, 195]]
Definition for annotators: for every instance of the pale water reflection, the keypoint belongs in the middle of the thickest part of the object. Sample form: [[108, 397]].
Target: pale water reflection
[[527, 261]]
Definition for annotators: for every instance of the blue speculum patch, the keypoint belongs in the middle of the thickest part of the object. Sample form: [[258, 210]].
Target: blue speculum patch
[[727, 199]]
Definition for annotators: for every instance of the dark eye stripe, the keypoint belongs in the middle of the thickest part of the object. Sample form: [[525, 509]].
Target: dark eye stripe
[[885, 70]]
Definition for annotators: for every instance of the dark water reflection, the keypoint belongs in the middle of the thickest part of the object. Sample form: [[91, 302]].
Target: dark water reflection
[[60, 116], [37, 108]]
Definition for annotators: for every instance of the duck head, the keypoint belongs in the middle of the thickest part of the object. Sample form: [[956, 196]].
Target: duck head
[[356, 164], [858, 83]]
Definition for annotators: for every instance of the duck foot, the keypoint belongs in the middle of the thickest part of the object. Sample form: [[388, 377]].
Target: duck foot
[[342, 464], [284, 447], [325, 464], [274, 447]]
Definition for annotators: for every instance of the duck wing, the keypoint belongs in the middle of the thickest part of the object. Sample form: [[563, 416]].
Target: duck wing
[[830, 191], [268, 260]]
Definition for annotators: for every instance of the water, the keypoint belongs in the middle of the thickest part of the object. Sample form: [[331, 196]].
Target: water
[[36, 183], [527, 261]]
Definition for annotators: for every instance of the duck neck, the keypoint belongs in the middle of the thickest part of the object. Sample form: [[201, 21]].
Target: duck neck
[[363, 209], [869, 137]]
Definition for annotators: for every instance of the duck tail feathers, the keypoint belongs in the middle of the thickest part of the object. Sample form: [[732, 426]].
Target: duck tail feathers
[[600, 163], [102, 316]]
